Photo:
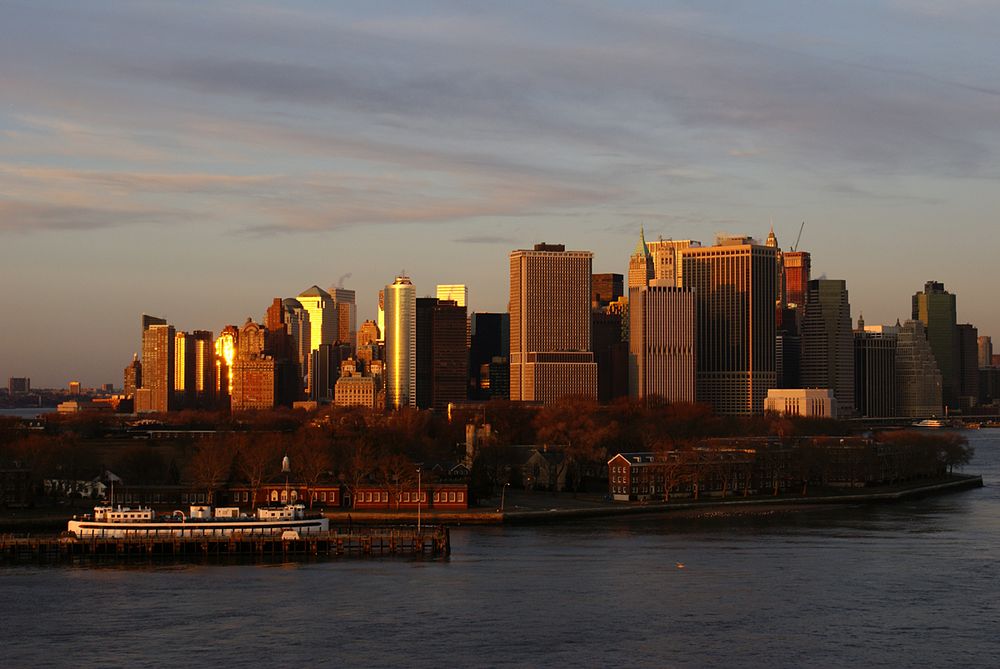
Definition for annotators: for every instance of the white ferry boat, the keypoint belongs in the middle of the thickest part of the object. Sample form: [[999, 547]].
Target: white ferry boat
[[932, 423], [288, 521]]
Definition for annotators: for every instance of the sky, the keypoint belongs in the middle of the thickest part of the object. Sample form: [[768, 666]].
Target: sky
[[195, 160]]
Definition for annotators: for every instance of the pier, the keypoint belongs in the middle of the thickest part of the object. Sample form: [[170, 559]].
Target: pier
[[433, 542]]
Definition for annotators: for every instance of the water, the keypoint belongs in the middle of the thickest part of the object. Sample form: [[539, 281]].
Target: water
[[912, 584]]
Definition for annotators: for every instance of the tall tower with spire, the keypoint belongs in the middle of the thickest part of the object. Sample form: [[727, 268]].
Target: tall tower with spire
[[640, 264]]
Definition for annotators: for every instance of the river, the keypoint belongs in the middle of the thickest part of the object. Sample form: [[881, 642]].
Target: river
[[899, 585]]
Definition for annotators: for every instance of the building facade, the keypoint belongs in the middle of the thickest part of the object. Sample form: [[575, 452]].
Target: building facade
[[828, 342], [918, 381], [875, 371], [805, 402], [157, 368], [400, 343], [662, 357], [935, 308], [550, 346], [735, 289]]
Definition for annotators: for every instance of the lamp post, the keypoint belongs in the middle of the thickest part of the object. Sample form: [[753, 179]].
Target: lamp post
[[418, 500], [503, 496]]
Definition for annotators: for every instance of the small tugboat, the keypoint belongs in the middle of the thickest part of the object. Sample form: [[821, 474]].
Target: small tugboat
[[288, 521]]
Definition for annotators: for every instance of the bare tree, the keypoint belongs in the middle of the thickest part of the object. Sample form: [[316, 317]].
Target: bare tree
[[257, 457], [311, 459], [396, 474], [212, 465]]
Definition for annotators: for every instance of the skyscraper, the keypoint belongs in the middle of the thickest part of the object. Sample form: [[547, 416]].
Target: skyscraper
[[157, 368], [968, 365], [183, 370], [490, 346], [662, 357], [133, 377], [797, 265], [666, 254], [324, 323], [204, 368], [918, 381], [984, 355], [550, 353], [457, 292], [828, 342], [606, 288], [935, 308], [441, 356], [400, 343], [640, 263], [735, 289], [254, 378], [347, 315], [875, 371]]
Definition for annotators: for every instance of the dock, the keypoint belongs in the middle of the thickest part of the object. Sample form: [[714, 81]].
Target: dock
[[368, 542]]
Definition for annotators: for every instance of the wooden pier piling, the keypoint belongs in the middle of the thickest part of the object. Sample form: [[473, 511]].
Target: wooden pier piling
[[431, 542]]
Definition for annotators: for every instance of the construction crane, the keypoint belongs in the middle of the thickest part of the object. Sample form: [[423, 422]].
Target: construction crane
[[795, 246]]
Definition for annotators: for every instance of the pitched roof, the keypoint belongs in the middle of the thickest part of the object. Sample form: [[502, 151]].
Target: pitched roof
[[314, 291]]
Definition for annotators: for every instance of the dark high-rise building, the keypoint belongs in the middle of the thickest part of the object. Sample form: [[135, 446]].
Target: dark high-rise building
[[968, 365], [203, 348], [935, 308], [984, 347], [735, 291], [828, 342], [550, 350], [875, 372], [788, 359], [606, 288], [442, 359], [157, 367], [610, 354], [490, 346]]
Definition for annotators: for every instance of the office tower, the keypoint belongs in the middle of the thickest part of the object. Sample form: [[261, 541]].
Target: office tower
[[400, 343], [183, 370], [148, 321], [225, 356], [457, 292], [935, 308], [550, 354], [380, 315], [918, 380], [300, 330], [369, 333], [734, 284], [606, 288], [281, 346], [133, 377], [441, 355], [203, 347], [828, 342], [323, 320], [610, 355], [875, 370], [157, 368], [354, 389], [347, 315], [640, 263], [968, 365], [797, 267], [490, 346], [984, 352], [662, 358], [666, 253], [253, 372], [74, 387]]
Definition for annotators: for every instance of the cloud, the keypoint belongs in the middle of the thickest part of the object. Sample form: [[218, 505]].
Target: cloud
[[16, 216]]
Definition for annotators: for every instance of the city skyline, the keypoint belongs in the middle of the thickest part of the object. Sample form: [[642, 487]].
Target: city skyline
[[338, 146]]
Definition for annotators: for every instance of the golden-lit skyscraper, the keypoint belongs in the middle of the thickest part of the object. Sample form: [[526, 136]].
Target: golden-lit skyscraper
[[324, 323], [640, 264], [157, 369], [797, 267], [735, 291], [400, 343], [550, 338], [345, 300]]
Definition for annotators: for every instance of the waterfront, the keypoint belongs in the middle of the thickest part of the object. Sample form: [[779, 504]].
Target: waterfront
[[907, 584]]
